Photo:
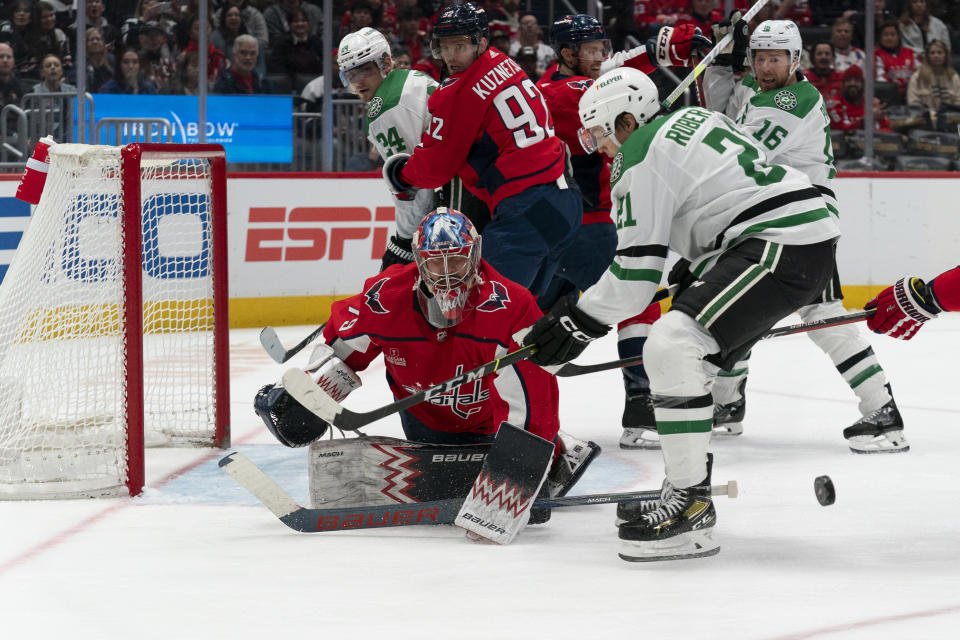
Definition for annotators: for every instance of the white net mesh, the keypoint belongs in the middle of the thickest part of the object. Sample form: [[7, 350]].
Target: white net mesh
[[63, 380]]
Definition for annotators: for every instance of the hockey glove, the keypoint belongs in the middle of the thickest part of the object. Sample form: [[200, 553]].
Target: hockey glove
[[733, 55], [903, 308], [287, 419], [400, 188], [399, 251], [673, 46], [563, 334]]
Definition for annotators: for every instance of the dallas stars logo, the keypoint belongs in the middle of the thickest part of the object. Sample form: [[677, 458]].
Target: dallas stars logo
[[616, 167], [373, 109], [785, 100]]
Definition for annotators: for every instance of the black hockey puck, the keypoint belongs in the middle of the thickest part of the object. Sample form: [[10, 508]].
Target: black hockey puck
[[826, 493]]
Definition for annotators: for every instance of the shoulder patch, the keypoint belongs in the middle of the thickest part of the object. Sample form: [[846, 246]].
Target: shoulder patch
[[498, 298], [580, 85], [785, 100], [616, 167], [374, 107], [449, 81], [371, 296]]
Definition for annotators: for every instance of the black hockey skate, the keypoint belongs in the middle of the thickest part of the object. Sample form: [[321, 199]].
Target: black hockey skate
[[680, 527], [878, 432], [728, 418], [630, 511], [639, 422]]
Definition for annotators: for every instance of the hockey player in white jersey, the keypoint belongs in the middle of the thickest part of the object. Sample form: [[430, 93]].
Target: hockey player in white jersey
[[785, 113], [396, 118], [760, 241]]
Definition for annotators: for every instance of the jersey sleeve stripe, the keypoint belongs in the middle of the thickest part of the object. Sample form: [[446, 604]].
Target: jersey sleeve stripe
[[639, 251], [645, 275]]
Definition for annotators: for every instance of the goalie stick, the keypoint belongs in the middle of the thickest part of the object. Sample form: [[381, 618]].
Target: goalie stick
[[281, 504], [708, 59], [275, 349]]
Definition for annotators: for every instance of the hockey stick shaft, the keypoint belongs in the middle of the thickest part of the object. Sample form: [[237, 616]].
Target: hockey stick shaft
[[708, 59], [305, 391], [804, 327], [281, 504], [275, 349]]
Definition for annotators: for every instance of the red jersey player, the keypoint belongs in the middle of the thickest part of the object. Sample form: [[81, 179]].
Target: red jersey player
[[490, 126], [447, 313], [903, 308]]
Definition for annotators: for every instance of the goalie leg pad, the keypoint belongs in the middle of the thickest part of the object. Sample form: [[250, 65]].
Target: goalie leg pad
[[287, 419], [498, 503]]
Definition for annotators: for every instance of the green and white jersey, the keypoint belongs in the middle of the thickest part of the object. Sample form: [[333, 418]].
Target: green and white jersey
[[397, 116], [791, 123], [693, 182]]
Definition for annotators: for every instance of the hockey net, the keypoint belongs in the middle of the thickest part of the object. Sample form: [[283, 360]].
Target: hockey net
[[113, 320]]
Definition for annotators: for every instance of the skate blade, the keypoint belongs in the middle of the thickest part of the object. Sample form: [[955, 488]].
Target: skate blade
[[728, 429], [692, 544], [639, 438], [889, 442]]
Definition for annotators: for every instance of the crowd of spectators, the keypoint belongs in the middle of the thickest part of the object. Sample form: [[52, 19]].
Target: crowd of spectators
[[264, 46]]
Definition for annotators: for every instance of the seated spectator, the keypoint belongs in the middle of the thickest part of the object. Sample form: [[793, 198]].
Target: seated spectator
[[186, 81], [918, 27], [128, 79], [16, 31], [798, 11], [511, 13], [158, 63], [100, 63], [410, 37], [846, 111], [232, 25], [649, 15], [527, 59], [388, 22], [859, 19], [822, 75], [95, 19], [529, 36], [10, 89], [894, 63], [159, 14], [48, 38], [500, 36], [278, 25], [216, 59], [700, 13], [297, 53], [242, 77], [359, 16], [935, 84], [844, 53], [253, 23], [51, 74], [401, 58]]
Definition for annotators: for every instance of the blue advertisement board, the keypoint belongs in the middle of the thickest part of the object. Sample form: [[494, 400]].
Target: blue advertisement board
[[250, 128]]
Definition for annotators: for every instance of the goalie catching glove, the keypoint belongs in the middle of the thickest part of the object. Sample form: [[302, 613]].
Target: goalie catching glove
[[289, 421], [903, 308], [673, 46], [563, 334], [400, 188], [734, 54]]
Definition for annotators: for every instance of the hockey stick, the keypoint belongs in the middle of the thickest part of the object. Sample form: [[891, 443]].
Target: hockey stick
[[803, 327], [304, 390], [275, 349], [708, 59], [281, 504]]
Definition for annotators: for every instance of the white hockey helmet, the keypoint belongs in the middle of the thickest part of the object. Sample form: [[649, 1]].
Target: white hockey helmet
[[781, 35], [360, 47], [622, 90]]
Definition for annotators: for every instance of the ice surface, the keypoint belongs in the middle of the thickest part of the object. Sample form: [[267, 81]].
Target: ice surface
[[197, 557]]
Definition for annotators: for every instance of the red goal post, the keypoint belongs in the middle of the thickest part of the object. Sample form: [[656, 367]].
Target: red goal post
[[114, 330]]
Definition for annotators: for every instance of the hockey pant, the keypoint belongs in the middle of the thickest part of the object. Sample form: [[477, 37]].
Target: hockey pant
[[711, 325], [845, 345]]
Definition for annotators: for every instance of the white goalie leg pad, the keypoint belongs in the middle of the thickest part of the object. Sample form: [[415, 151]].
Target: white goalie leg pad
[[674, 359], [335, 377], [850, 352], [692, 544]]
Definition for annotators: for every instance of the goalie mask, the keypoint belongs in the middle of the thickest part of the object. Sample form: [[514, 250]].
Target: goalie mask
[[623, 90], [446, 248]]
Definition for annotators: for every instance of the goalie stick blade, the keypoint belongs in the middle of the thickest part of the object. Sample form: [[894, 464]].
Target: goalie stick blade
[[270, 342], [281, 504]]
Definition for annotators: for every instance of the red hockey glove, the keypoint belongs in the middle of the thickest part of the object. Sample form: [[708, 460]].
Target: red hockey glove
[[903, 308], [673, 46]]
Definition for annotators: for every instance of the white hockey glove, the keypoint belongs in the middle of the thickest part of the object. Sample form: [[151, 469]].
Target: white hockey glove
[[400, 188], [734, 54]]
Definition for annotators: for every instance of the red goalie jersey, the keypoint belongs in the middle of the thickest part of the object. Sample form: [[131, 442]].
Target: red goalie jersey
[[489, 125], [384, 319]]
